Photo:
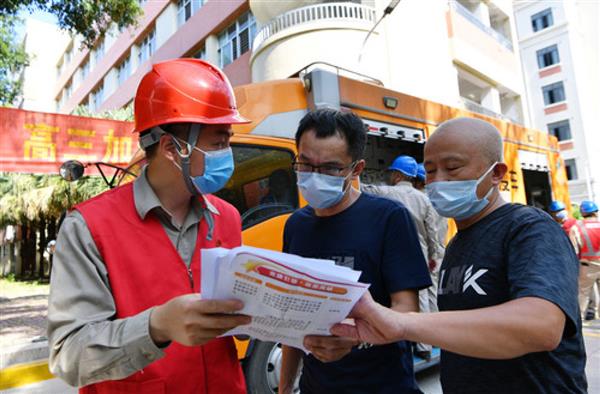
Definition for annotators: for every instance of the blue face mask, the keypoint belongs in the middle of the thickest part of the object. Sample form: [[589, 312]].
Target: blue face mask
[[319, 190], [458, 199], [218, 168]]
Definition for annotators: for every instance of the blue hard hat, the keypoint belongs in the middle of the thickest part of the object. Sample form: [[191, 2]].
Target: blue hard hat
[[421, 172], [588, 207], [556, 206], [406, 165]]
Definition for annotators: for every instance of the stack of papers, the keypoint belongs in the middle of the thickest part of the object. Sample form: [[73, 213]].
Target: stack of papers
[[287, 296]]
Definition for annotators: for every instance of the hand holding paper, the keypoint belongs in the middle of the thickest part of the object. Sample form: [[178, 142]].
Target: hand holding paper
[[288, 297]]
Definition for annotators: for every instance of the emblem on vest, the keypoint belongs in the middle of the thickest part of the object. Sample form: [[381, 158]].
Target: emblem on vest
[[458, 280]]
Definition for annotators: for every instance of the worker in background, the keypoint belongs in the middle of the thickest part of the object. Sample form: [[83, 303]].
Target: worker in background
[[367, 233], [125, 313], [509, 320], [560, 215], [419, 180], [441, 222], [399, 177], [585, 236]]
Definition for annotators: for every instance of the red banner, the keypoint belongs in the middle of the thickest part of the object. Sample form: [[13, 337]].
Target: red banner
[[37, 142]]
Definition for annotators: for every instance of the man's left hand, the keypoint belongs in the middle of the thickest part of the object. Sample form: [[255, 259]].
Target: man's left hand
[[329, 348]]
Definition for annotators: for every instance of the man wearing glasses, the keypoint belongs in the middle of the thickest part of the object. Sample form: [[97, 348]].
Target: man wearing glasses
[[367, 233]]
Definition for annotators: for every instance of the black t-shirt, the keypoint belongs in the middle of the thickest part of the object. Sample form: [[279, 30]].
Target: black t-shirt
[[516, 251], [378, 237]]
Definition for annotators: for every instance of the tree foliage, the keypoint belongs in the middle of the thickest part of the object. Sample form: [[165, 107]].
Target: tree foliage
[[25, 198], [90, 19], [125, 114], [13, 59]]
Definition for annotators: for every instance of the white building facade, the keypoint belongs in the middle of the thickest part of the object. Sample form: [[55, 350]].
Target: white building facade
[[460, 53], [45, 44], [560, 45]]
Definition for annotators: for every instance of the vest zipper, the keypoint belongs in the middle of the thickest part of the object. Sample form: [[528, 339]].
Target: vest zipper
[[189, 271]]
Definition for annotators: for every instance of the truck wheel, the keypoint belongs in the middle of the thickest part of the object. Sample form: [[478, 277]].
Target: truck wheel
[[262, 369]]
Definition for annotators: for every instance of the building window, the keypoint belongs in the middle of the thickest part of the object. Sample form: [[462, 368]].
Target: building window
[[68, 56], [99, 52], [147, 47], [561, 130], [85, 69], [554, 93], [59, 69], [548, 56], [187, 8], [124, 70], [236, 39], [68, 90], [542, 20], [96, 99], [571, 169], [201, 54]]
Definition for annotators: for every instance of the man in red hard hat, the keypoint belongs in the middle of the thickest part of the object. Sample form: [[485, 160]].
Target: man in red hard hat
[[125, 310]]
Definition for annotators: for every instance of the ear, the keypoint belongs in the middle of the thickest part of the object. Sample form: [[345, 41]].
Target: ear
[[498, 173], [358, 169], [168, 149]]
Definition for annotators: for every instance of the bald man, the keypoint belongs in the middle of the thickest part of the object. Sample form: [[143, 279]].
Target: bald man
[[509, 320]]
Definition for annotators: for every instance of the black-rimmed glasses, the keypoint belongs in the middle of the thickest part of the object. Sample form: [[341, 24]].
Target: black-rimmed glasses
[[323, 169]]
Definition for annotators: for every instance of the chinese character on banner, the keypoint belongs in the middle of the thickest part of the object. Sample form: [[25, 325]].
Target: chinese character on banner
[[118, 149], [40, 145]]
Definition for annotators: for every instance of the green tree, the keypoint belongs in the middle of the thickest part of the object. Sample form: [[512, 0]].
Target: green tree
[[125, 113], [13, 59], [90, 19]]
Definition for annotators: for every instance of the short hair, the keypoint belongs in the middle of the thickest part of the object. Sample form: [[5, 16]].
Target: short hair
[[150, 151], [327, 122]]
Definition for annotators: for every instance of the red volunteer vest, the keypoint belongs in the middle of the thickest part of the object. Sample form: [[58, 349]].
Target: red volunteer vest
[[570, 222], [590, 237], [145, 270]]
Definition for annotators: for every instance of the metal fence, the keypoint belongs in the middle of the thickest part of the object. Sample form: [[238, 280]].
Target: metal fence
[[327, 11], [462, 10]]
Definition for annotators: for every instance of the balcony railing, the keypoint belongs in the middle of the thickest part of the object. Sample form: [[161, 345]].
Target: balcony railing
[[317, 12], [462, 10], [480, 109]]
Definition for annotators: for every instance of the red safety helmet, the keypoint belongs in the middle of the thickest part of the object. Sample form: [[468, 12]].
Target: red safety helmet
[[184, 90]]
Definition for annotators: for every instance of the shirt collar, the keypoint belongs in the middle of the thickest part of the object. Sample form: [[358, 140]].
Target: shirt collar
[[145, 198]]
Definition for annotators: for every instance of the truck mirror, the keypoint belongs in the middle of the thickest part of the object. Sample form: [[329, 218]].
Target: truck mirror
[[50, 247], [71, 170]]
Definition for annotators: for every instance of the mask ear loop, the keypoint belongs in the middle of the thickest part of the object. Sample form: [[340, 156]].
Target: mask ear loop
[[349, 176], [185, 157], [481, 178]]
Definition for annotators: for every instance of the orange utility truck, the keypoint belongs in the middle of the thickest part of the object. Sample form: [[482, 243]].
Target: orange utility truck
[[263, 186]]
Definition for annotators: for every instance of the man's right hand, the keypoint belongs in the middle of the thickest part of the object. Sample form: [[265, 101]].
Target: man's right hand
[[190, 320], [373, 323]]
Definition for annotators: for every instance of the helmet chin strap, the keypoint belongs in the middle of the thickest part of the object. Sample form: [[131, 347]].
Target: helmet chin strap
[[185, 158]]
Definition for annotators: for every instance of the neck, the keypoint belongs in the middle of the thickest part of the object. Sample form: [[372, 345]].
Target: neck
[[496, 201], [349, 198], [171, 191]]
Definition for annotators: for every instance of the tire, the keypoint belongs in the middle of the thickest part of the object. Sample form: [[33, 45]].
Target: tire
[[262, 368]]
